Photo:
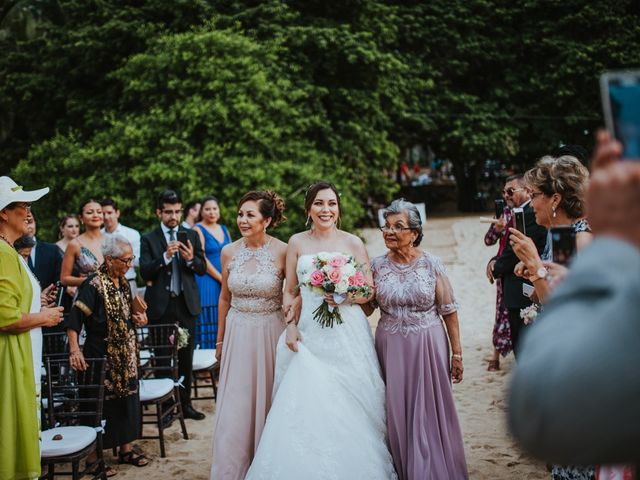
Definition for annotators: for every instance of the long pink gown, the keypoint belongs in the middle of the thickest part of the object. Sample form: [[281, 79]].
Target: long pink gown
[[253, 325]]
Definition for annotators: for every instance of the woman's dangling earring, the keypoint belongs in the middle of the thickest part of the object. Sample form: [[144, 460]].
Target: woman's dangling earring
[[306, 224], [554, 211]]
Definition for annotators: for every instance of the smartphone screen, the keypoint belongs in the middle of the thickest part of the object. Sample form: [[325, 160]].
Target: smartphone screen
[[60, 294], [518, 215], [621, 106], [499, 204], [182, 237], [563, 244]]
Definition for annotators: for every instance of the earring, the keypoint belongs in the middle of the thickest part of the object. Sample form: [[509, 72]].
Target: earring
[[554, 211], [306, 224]]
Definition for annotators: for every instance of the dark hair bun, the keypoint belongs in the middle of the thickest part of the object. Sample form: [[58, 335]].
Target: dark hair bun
[[271, 205]]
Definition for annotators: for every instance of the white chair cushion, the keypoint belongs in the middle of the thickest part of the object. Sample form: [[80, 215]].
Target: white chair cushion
[[45, 404], [74, 439], [145, 355], [154, 388], [204, 358]]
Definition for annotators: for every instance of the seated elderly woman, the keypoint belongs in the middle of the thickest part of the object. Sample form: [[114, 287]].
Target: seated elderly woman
[[415, 296], [557, 187], [104, 307]]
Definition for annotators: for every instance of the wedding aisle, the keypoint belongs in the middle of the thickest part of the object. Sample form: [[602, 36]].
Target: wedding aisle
[[490, 453]]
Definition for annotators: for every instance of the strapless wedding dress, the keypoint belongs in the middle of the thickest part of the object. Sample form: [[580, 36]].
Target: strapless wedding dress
[[327, 420]]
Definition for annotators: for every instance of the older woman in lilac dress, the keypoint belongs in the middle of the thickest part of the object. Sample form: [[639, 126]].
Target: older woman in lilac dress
[[416, 303]]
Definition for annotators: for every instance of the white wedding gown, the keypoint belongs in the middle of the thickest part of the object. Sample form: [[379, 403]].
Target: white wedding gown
[[327, 420]]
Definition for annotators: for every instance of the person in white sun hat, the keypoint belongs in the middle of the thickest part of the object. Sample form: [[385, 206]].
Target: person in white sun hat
[[21, 318]]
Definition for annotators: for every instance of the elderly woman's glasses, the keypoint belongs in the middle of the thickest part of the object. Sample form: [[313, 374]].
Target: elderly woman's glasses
[[126, 261], [394, 229]]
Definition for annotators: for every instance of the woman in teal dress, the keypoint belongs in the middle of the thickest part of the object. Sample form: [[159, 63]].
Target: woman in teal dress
[[19, 442], [213, 237]]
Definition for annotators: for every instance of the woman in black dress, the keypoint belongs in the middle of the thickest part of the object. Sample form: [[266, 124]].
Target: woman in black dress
[[103, 306]]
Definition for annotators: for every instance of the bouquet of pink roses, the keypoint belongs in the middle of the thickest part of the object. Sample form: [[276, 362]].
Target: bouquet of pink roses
[[337, 274]]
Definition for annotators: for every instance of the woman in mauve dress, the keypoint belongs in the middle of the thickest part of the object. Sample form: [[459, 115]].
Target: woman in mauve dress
[[416, 302]]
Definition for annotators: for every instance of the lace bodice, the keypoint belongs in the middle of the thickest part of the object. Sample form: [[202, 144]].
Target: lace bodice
[[254, 280], [412, 297]]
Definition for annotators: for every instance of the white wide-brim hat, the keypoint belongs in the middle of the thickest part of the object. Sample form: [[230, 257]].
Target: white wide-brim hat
[[11, 192]]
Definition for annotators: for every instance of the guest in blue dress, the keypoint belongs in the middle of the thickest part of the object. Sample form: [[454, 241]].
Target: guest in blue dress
[[213, 237]]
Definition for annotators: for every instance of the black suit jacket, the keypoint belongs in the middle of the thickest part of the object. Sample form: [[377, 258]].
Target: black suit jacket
[[157, 274], [48, 263], [505, 263]]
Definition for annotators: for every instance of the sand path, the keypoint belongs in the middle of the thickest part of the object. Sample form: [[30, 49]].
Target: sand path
[[490, 452]]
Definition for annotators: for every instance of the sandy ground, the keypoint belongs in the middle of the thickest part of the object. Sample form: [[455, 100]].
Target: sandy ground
[[480, 398]]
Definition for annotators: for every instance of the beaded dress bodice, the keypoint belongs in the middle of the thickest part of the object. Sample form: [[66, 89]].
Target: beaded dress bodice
[[254, 280], [406, 294]]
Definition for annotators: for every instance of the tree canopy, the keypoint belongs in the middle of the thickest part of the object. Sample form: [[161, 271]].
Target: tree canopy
[[105, 97]]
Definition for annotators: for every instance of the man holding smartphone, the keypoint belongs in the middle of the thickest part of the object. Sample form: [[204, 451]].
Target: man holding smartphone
[[168, 266], [516, 196]]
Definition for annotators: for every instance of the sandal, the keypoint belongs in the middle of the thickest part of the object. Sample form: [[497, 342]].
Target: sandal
[[131, 458], [494, 365], [92, 469]]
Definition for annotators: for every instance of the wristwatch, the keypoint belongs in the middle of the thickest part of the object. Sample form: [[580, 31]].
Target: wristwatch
[[541, 274]]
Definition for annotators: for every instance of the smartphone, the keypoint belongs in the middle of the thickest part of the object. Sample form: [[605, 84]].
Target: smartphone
[[620, 92], [183, 237], [518, 215], [563, 244], [499, 204], [60, 289], [528, 290]]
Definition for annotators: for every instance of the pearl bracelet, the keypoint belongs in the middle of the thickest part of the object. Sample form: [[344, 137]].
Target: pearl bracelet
[[457, 355]]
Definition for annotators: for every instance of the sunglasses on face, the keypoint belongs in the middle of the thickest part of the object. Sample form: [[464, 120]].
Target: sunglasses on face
[[510, 191]]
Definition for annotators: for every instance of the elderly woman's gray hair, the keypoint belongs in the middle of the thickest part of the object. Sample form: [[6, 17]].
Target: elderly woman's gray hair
[[400, 206], [114, 245]]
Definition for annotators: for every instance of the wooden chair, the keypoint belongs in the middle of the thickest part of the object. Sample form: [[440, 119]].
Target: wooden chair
[[76, 419], [162, 391]]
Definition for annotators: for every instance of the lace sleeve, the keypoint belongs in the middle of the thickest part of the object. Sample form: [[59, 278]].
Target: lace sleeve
[[445, 299]]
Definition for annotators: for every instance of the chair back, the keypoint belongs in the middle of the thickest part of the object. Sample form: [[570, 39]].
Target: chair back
[[54, 345], [162, 341], [206, 334], [75, 397]]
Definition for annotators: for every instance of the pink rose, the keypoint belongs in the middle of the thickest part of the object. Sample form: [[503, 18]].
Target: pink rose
[[316, 278], [357, 280], [337, 261], [335, 276]]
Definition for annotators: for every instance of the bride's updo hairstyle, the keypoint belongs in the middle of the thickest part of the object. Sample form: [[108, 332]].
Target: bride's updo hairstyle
[[270, 204], [312, 192]]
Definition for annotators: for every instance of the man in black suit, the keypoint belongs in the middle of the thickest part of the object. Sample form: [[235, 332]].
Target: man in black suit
[[168, 267], [45, 259], [516, 195]]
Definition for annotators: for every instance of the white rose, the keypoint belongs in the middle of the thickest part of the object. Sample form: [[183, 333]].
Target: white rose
[[342, 286], [348, 270]]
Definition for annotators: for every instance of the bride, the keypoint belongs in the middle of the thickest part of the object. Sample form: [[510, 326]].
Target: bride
[[327, 420]]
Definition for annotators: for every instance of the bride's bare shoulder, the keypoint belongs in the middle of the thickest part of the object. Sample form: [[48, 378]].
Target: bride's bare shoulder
[[352, 240], [297, 239]]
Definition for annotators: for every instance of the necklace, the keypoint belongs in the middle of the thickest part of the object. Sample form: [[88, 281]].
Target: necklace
[[5, 239]]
